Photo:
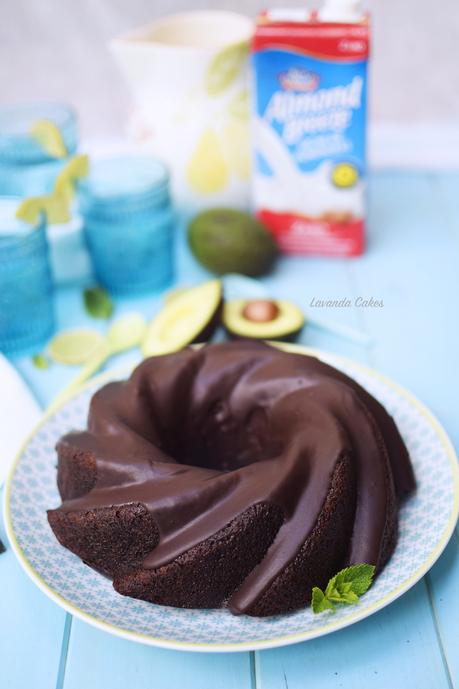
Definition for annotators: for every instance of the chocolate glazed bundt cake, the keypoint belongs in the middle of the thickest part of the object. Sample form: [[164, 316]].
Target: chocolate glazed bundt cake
[[234, 475]]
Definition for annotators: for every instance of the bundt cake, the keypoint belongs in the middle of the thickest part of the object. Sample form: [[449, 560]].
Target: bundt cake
[[234, 475]]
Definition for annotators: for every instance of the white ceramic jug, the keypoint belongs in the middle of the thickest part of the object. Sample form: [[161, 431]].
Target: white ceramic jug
[[188, 75]]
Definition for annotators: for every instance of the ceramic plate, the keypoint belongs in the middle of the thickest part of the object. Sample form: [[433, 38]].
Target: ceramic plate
[[426, 523]]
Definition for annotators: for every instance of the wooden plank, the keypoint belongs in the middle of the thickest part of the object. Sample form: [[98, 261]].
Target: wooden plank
[[444, 577], [395, 648], [96, 659], [443, 589], [31, 629]]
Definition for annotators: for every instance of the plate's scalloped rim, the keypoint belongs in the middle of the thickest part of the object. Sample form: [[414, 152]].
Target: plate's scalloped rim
[[272, 642]]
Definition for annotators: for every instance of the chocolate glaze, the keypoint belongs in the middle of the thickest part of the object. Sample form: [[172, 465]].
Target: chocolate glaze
[[200, 436]]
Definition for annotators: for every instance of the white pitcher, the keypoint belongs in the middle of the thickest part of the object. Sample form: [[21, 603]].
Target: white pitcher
[[188, 75]]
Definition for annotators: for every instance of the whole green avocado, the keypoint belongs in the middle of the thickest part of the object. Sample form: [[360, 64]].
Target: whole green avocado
[[224, 240]]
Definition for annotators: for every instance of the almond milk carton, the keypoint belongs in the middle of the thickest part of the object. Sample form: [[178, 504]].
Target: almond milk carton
[[309, 129]]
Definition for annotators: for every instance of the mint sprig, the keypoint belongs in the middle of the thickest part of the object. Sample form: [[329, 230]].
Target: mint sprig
[[345, 588], [97, 302]]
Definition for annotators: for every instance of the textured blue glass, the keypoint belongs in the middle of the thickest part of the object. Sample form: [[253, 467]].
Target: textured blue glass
[[129, 224], [26, 290], [25, 168]]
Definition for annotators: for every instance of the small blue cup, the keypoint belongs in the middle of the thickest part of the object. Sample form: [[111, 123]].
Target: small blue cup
[[129, 224], [26, 289], [26, 169]]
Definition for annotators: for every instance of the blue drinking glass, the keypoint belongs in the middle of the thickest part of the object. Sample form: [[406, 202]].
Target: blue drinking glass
[[26, 169], [26, 290], [129, 224]]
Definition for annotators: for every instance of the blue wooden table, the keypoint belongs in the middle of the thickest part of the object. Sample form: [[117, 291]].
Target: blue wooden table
[[412, 264]]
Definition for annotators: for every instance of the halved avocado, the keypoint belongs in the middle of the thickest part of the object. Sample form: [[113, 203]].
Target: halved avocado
[[191, 316], [262, 319]]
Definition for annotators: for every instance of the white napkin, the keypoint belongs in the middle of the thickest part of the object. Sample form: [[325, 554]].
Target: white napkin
[[19, 413]]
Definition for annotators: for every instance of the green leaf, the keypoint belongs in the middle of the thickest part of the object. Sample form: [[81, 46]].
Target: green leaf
[[225, 67], [334, 595], [350, 598], [97, 302], [359, 576], [320, 602], [344, 588], [40, 361]]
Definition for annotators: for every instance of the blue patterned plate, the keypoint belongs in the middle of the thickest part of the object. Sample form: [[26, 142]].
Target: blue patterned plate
[[426, 524]]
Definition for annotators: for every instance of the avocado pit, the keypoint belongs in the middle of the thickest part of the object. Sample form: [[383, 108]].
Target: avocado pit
[[260, 311]]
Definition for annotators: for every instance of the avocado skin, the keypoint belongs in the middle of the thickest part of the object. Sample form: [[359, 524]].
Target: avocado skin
[[224, 240], [286, 337]]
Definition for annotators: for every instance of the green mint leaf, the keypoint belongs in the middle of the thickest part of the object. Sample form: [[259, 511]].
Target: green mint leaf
[[40, 361], [359, 576], [350, 598], [344, 588], [335, 596], [320, 602], [331, 588], [97, 302]]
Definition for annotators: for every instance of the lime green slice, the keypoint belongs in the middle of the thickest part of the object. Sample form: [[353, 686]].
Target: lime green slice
[[57, 209], [126, 332], [76, 168], [29, 210], [76, 346], [54, 206], [225, 67], [48, 136], [64, 188]]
